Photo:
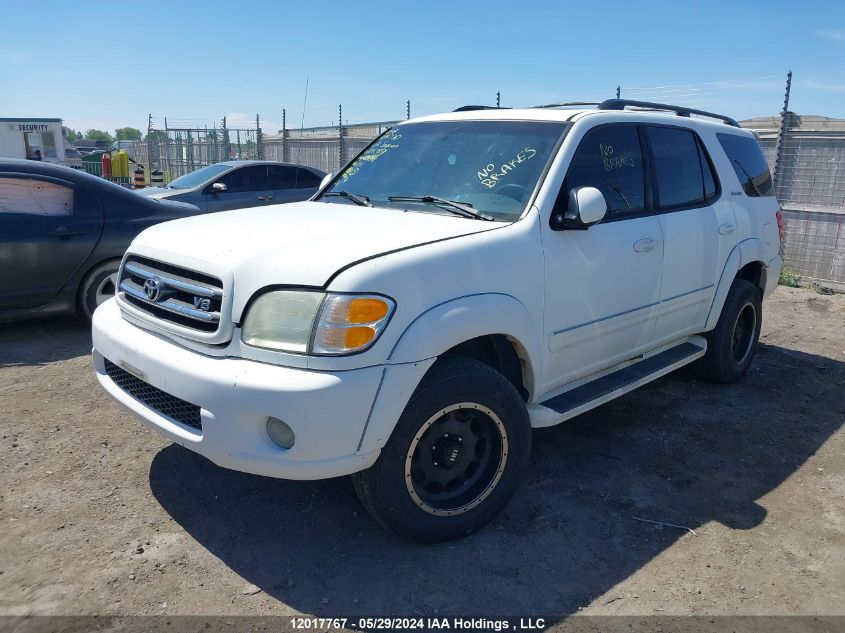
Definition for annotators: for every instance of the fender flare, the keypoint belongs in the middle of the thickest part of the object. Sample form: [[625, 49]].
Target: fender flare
[[452, 322], [745, 252], [432, 333]]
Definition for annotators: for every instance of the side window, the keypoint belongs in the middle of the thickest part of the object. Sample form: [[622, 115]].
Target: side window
[[748, 163], [710, 187], [307, 179], [283, 177], [677, 166], [611, 160], [34, 197], [247, 179]]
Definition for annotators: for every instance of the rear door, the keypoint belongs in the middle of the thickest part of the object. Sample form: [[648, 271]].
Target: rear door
[[48, 227], [698, 229], [283, 180], [247, 186]]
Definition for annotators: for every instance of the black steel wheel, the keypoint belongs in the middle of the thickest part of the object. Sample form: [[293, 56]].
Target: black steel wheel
[[455, 458], [732, 343]]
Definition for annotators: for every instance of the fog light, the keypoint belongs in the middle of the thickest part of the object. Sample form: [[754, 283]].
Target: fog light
[[280, 433]]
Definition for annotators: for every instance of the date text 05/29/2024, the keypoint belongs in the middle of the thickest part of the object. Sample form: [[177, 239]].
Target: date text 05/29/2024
[[306, 623]]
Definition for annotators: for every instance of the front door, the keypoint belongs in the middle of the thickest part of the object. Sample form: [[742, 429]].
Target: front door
[[602, 285], [47, 230]]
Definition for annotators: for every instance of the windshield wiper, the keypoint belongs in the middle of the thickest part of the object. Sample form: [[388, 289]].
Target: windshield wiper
[[458, 208], [363, 201]]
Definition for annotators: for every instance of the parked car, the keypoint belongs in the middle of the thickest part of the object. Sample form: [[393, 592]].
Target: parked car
[[239, 184], [73, 157], [62, 235], [468, 277]]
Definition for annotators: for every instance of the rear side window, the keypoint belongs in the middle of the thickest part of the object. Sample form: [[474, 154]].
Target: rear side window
[[34, 197], [748, 163], [283, 177], [681, 170], [611, 160], [307, 179]]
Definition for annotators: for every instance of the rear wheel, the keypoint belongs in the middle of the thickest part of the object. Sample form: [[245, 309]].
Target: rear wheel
[[98, 286], [454, 459], [732, 343]]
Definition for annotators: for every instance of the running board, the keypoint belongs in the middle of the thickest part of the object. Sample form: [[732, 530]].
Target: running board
[[614, 384]]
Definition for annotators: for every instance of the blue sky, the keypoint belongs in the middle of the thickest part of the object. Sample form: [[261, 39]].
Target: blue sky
[[108, 65]]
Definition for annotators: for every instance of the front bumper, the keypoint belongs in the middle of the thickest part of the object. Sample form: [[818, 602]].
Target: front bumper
[[328, 411]]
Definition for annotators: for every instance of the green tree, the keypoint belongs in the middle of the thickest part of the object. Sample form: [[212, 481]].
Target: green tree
[[99, 135], [127, 134], [157, 136]]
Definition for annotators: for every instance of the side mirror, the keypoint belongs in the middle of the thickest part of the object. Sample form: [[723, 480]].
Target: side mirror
[[326, 180], [218, 187], [586, 206]]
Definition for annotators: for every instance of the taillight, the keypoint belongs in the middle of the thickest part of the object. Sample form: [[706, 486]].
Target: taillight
[[779, 216]]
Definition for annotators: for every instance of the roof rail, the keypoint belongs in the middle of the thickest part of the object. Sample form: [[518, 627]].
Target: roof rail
[[470, 108], [567, 104], [621, 104]]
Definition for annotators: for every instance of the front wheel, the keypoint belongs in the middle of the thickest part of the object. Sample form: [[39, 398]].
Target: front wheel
[[732, 343], [455, 458], [98, 286]]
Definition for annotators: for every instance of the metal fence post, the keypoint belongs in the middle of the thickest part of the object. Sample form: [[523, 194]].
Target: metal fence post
[[784, 125], [226, 148], [257, 137], [284, 137], [340, 136]]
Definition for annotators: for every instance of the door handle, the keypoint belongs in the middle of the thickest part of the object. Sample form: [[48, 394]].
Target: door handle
[[726, 229], [64, 231], [645, 245], [265, 198]]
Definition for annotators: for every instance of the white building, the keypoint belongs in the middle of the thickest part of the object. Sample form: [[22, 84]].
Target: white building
[[28, 137]]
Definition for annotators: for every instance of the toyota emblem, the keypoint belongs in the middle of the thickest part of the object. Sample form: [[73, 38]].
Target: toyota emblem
[[152, 288]]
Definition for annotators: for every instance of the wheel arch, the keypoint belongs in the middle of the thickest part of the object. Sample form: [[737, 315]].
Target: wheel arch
[[88, 270], [746, 261], [495, 329]]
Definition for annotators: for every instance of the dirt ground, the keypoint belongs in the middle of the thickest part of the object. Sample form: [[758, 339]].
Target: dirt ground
[[100, 516]]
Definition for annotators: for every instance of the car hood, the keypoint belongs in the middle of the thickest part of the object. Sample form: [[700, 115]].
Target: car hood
[[302, 243]]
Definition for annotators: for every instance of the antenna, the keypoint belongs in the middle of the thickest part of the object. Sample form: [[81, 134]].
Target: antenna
[[302, 123]]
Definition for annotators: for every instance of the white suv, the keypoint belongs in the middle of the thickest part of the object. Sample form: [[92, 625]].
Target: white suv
[[468, 277]]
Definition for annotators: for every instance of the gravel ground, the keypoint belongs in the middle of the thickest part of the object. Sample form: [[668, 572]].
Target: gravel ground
[[100, 516]]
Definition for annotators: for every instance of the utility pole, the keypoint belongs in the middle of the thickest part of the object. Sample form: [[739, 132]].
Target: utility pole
[[784, 127], [284, 136]]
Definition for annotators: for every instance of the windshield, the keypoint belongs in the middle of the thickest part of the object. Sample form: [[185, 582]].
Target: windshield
[[198, 177], [490, 166]]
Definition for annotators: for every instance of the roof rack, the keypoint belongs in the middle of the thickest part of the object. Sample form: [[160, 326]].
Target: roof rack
[[567, 104], [621, 104], [470, 108]]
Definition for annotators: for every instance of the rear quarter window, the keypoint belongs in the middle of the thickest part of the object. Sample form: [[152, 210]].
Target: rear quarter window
[[749, 165]]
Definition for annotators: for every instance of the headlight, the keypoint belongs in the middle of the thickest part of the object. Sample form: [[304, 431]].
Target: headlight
[[315, 322]]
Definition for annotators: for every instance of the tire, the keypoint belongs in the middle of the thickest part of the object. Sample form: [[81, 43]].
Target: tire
[[97, 286], [417, 497], [732, 343]]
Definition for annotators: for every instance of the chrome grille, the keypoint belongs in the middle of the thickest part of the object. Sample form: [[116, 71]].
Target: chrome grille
[[156, 399], [171, 293]]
